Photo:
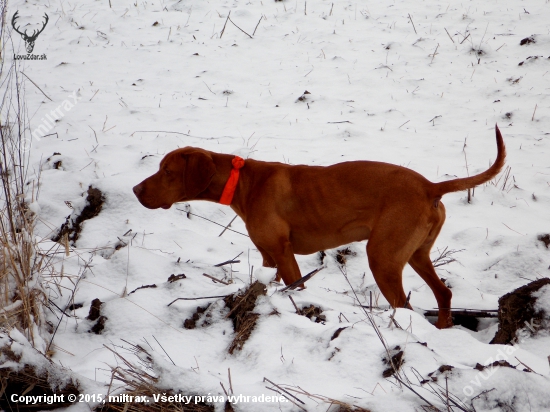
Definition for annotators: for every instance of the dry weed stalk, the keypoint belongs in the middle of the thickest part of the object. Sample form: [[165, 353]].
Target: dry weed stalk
[[449, 400], [22, 263], [141, 381]]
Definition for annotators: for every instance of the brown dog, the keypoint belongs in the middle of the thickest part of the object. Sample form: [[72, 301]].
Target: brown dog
[[303, 209]]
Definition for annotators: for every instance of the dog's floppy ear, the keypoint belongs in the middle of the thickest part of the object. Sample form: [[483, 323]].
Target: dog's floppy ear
[[199, 170]]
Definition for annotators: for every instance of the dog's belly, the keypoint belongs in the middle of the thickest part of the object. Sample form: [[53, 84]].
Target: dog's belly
[[307, 242]]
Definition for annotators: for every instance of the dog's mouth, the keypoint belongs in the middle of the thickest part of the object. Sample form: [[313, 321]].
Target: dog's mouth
[[152, 205]]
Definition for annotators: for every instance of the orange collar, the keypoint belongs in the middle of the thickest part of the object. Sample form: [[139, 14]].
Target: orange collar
[[231, 185]]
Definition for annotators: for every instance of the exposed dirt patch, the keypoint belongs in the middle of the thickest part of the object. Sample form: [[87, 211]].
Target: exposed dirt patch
[[95, 314], [527, 40], [72, 226], [342, 255], [516, 310], [173, 278], [433, 375], [396, 361], [191, 323], [99, 325], [75, 306], [337, 332], [314, 313], [545, 239], [502, 363], [241, 306], [530, 59], [95, 309]]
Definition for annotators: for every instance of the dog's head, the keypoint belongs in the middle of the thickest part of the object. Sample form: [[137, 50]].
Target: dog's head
[[183, 174]]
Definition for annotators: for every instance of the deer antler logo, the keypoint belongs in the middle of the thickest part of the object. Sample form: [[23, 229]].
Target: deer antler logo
[[29, 40]]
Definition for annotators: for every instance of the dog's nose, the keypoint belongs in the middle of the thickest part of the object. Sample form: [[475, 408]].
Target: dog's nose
[[137, 189]]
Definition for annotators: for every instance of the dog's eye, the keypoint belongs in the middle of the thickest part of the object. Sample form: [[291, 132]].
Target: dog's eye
[[167, 172]]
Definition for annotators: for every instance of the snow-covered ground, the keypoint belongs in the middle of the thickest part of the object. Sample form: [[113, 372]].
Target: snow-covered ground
[[419, 84]]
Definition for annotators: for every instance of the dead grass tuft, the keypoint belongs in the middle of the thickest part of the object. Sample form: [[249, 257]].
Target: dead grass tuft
[[241, 306], [143, 383]]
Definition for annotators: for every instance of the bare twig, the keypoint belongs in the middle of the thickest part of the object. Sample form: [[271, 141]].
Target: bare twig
[[298, 311], [239, 28], [463, 40], [411, 20], [215, 279], [254, 32], [288, 393], [229, 224], [37, 86], [225, 24], [204, 297], [164, 351], [449, 35], [303, 280], [192, 214], [230, 261], [230, 382], [434, 54]]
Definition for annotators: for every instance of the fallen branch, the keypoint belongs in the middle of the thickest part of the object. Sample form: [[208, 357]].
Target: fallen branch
[[474, 313], [203, 297], [215, 279], [303, 280], [227, 262]]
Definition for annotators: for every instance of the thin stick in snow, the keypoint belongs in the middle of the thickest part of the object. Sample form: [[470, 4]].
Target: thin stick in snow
[[225, 24], [298, 311], [230, 383], [435, 52], [164, 350], [37, 86], [229, 224], [449, 35], [215, 279], [288, 393], [239, 28], [254, 32], [411, 20], [203, 297]]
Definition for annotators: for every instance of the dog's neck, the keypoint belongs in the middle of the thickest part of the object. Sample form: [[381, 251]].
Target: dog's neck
[[214, 190]]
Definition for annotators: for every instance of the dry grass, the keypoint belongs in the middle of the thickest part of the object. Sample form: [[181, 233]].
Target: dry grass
[[42, 377], [244, 320], [141, 381], [25, 268], [22, 297]]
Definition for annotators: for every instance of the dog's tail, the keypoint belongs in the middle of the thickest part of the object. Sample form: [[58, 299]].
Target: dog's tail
[[439, 189]]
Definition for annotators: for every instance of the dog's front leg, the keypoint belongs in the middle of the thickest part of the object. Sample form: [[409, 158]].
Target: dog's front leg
[[287, 267], [279, 253]]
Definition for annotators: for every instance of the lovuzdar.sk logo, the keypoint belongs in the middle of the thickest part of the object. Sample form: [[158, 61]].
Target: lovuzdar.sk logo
[[29, 39]]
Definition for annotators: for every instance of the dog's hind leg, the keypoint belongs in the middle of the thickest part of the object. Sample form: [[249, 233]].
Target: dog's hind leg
[[421, 263]]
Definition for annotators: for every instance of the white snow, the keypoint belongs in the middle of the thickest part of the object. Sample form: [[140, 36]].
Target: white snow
[[135, 80]]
